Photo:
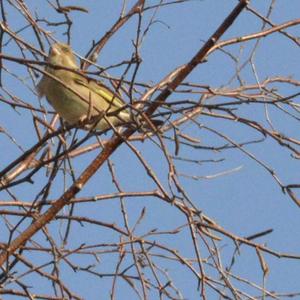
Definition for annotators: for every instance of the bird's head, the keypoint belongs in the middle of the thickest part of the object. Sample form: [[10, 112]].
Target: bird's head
[[62, 54]]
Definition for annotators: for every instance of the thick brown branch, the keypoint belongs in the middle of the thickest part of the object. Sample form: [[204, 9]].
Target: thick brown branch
[[117, 140]]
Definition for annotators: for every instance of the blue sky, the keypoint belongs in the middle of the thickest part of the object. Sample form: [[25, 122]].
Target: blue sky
[[243, 202]]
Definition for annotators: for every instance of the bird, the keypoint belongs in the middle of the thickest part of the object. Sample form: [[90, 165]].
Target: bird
[[76, 97]]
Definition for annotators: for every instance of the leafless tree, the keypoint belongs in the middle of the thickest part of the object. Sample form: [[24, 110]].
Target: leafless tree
[[58, 182]]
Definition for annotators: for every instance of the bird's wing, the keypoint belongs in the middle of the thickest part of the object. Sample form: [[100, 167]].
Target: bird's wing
[[112, 99]]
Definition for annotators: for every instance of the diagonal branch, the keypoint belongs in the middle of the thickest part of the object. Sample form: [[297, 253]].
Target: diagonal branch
[[118, 139], [121, 21]]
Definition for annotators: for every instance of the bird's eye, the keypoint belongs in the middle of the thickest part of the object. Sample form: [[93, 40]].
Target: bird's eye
[[65, 49]]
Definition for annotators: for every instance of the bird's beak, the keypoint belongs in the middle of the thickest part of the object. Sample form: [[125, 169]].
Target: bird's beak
[[54, 51]]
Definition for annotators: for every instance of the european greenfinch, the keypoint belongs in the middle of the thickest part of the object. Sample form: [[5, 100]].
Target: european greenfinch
[[75, 97]]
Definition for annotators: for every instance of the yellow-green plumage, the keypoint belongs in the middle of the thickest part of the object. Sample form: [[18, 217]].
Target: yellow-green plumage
[[74, 97]]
